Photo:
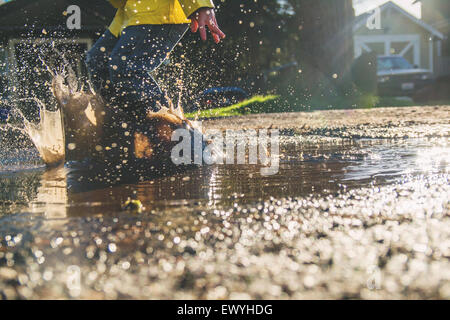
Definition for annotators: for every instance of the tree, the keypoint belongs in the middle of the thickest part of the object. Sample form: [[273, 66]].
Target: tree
[[256, 41], [263, 34], [323, 38]]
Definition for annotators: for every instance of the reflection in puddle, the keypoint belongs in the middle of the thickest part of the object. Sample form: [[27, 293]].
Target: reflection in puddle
[[433, 159], [391, 159], [51, 198], [305, 168]]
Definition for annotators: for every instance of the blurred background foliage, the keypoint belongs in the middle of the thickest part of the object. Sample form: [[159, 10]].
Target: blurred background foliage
[[301, 50]]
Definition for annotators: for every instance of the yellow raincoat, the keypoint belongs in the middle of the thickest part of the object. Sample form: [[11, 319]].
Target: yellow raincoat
[[137, 12]]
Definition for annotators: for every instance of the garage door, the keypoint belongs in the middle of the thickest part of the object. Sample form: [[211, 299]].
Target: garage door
[[407, 46]]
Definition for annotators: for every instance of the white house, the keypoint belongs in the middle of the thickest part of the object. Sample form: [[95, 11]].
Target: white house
[[390, 30]]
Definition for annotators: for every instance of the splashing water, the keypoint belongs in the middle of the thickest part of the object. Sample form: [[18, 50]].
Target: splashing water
[[47, 135]]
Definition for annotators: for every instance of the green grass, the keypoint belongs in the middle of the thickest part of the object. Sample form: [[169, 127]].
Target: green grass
[[257, 104], [273, 103]]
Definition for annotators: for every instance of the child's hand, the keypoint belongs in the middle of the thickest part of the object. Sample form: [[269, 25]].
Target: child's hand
[[206, 17]]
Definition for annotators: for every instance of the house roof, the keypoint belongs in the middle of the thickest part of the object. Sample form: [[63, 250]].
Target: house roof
[[441, 23], [361, 19]]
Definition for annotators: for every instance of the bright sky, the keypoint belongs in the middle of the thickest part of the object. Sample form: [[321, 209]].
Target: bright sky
[[362, 6]]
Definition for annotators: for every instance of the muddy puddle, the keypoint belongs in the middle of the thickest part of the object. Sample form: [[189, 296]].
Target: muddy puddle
[[343, 218], [308, 165]]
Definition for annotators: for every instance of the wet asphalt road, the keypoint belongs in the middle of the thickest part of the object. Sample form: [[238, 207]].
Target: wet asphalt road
[[360, 209]]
